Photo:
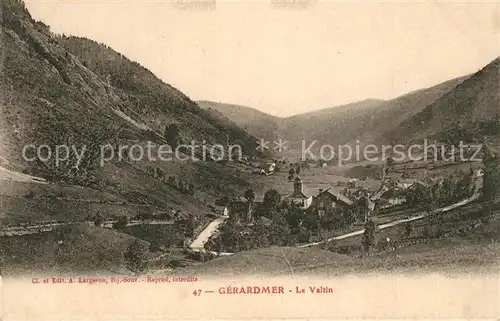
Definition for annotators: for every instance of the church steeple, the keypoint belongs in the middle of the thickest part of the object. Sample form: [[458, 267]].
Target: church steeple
[[297, 186]]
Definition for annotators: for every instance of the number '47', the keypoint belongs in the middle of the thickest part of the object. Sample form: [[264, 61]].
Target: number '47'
[[197, 292]]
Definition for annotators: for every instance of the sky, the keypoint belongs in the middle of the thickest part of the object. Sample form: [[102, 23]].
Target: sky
[[286, 61]]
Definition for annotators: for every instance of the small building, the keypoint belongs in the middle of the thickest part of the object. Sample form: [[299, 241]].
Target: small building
[[393, 196], [405, 183], [265, 168], [240, 208], [298, 197], [270, 167], [351, 183], [329, 200]]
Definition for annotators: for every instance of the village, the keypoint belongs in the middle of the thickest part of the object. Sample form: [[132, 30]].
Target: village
[[313, 201]]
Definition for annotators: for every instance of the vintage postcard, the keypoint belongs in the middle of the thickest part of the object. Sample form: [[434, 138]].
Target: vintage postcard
[[255, 160]]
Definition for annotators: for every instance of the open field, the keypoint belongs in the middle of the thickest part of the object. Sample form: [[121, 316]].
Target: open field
[[163, 235], [313, 179], [68, 249], [69, 192], [18, 211], [273, 261], [419, 170], [460, 240]]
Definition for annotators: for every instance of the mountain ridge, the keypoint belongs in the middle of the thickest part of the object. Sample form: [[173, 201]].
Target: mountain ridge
[[367, 120], [68, 91], [473, 102]]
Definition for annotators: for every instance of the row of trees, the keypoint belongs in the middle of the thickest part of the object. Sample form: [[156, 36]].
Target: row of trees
[[234, 237], [277, 223], [181, 185], [491, 178], [177, 183], [440, 194]]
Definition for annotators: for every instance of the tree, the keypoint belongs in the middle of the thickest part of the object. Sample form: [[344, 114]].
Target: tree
[[121, 223], [189, 225], [303, 234], [250, 195], [361, 208], [260, 234], [310, 222], [294, 216], [279, 232], [464, 188], [448, 192], [408, 229], [418, 194], [491, 183], [272, 200], [368, 240], [191, 189], [348, 218], [61, 129], [171, 181], [98, 219], [172, 135], [432, 222], [230, 236], [135, 257]]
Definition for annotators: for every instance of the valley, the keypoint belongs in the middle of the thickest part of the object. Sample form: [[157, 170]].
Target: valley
[[268, 210]]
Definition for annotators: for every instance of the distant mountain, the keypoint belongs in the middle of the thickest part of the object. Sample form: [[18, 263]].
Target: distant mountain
[[333, 125], [255, 122], [366, 121], [470, 111]]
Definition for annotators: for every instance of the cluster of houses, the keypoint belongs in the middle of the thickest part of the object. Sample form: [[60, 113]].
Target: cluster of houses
[[327, 201], [265, 168]]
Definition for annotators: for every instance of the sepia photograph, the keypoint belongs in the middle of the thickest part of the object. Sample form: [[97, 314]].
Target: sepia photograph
[[209, 159]]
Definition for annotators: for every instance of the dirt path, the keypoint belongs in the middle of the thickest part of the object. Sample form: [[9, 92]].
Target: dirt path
[[198, 244], [47, 227], [8, 175]]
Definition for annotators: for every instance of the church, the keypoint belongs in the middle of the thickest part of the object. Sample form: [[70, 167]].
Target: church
[[298, 197]]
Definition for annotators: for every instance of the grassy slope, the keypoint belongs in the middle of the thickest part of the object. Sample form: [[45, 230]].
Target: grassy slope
[[67, 90], [18, 211], [366, 121], [476, 250], [71, 249], [475, 100], [152, 100], [448, 255], [269, 261]]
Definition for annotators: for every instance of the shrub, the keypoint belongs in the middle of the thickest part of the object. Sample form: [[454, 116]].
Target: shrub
[[135, 257], [120, 223]]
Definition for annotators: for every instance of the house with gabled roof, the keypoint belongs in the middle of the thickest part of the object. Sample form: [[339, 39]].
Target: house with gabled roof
[[329, 200]]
